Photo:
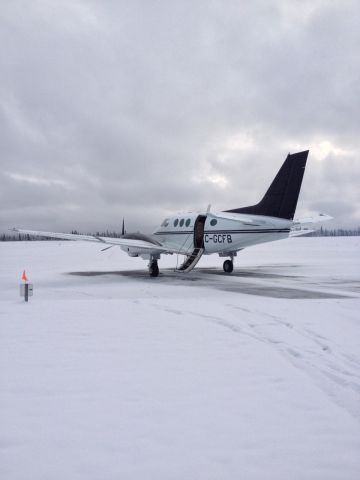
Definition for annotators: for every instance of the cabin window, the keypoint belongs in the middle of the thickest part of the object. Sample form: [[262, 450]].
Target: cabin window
[[213, 222], [176, 222], [165, 222], [182, 222], [187, 223]]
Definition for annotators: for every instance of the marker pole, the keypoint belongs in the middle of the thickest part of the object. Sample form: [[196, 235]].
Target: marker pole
[[26, 292]]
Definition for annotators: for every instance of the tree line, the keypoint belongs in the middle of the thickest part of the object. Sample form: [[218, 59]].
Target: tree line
[[335, 232], [321, 232]]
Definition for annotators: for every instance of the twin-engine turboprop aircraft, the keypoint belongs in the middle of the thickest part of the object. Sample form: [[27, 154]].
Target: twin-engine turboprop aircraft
[[225, 233]]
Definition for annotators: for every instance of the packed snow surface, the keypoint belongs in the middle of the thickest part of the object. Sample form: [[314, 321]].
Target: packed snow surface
[[109, 374]]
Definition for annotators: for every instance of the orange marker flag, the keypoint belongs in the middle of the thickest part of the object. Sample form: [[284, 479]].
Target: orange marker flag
[[24, 277]]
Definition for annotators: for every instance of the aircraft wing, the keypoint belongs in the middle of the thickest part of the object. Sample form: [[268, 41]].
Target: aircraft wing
[[131, 243]]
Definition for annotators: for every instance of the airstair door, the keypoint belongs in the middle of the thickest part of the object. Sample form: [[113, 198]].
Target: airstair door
[[192, 259], [199, 231]]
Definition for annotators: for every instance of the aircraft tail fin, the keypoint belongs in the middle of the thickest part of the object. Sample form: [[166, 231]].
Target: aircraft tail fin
[[281, 198]]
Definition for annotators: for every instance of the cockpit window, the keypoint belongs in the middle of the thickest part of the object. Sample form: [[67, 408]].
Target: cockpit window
[[181, 222], [187, 223], [176, 222], [165, 223], [213, 222]]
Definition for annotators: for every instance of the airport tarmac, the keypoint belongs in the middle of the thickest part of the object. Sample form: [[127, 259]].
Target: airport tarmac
[[203, 375]]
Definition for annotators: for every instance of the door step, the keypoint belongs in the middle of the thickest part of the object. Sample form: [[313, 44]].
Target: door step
[[191, 260]]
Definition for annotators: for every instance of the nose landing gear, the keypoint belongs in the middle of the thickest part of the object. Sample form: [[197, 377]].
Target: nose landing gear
[[153, 268]]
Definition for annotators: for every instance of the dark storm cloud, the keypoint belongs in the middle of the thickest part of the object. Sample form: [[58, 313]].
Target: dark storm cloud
[[142, 108]]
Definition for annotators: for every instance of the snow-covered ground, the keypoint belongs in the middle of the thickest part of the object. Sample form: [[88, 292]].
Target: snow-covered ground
[[109, 374]]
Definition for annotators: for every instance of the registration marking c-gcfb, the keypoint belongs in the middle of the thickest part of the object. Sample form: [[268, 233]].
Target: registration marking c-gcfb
[[218, 238]]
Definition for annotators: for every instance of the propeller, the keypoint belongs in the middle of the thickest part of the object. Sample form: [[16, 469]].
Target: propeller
[[123, 231], [107, 248]]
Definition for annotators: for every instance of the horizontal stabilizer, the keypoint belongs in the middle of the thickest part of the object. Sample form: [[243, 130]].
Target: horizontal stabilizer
[[320, 217], [298, 232]]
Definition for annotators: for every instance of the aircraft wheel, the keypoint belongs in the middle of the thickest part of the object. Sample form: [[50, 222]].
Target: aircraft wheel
[[228, 266], [153, 269]]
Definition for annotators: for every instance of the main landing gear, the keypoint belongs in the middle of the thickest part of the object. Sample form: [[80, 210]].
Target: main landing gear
[[228, 266], [153, 268]]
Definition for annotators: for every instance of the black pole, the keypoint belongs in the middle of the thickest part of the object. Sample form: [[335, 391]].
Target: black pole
[[26, 292]]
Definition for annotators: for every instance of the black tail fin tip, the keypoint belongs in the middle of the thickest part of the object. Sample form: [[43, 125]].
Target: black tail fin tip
[[281, 198]]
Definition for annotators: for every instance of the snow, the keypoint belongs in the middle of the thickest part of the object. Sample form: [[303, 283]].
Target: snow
[[109, 374]]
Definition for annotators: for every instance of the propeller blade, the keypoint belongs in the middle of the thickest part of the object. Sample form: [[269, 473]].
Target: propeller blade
[[107, 248]]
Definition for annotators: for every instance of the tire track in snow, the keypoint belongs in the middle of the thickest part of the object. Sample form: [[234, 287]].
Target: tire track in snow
[[315, 357]]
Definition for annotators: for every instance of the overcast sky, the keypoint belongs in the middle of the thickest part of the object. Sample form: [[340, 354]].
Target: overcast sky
[[141, 108]]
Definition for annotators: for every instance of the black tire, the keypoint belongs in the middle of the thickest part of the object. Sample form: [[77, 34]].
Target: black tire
[[228, 266], [154, 269]]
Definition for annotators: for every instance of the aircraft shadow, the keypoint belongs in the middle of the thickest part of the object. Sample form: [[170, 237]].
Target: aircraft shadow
[[240, 281]]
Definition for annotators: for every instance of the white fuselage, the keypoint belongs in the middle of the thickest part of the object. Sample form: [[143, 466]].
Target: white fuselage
[[219, 233]]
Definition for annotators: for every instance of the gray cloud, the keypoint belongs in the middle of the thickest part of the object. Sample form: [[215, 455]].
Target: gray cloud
[[141, 108]]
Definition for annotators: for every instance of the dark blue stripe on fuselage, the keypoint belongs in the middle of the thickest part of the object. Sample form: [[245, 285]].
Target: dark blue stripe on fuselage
[[274, 230]]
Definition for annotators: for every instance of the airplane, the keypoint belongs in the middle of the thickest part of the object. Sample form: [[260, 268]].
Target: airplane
[[225, 233]]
